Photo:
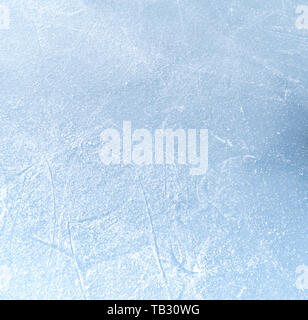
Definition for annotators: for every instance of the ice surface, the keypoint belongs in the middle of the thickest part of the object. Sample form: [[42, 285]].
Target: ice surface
[[71, 227]]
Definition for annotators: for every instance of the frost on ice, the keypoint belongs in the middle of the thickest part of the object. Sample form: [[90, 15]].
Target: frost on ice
[[71, 227]]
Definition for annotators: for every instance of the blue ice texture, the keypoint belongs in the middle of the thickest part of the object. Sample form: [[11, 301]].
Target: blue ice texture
[[74, 228]]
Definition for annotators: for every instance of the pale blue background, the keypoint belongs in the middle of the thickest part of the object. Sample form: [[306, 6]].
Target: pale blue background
[[71, 228]]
